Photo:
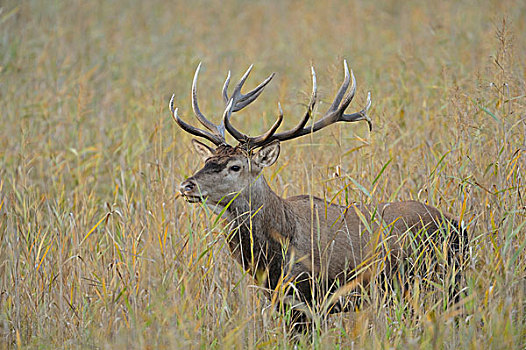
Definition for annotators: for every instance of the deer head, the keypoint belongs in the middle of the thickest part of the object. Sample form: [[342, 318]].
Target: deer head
[[229, 170]]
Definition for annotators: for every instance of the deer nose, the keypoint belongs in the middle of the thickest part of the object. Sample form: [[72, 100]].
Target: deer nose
[[187, 186]]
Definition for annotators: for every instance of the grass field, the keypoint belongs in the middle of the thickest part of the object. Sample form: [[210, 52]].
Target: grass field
[[96, 251]]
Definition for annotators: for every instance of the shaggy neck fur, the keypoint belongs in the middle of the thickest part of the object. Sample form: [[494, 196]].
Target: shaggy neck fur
[[260, 224]]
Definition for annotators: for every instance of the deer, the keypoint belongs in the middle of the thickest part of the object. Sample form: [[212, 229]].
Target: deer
[[321, 251]]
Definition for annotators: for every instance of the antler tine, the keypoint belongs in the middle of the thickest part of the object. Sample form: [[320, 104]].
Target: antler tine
[[236, 94], [216, 139], [243, 100], [261, 140], [225, 88], [341, 91], [299, 127], [362, 115], [202, 119], [249, 97], [347, 100]]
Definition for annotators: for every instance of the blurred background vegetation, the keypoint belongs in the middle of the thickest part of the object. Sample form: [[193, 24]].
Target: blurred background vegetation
[[96, 251]]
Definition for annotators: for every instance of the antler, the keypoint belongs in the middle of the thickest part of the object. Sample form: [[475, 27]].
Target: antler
[[334, 114], [235, 103]]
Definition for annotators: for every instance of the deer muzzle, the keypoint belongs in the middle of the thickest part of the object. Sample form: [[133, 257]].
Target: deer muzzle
[[190, 191]]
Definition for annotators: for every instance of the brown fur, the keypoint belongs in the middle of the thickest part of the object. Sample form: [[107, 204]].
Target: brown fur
[[322, 248]]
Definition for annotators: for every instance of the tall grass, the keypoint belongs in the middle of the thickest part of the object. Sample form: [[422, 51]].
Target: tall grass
[[96, 251]]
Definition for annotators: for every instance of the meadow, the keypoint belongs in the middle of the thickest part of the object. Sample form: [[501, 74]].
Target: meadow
[[98, 251]]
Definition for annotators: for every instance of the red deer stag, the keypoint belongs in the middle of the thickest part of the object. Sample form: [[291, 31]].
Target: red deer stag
[[322, 251]]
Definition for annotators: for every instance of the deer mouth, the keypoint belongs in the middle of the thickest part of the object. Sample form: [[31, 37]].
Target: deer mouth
[[192, 198]]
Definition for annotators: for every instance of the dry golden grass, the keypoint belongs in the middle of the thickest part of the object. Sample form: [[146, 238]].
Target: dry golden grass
[[96, 252]]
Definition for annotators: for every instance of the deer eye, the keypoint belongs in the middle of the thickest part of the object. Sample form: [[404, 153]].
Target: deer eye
[[235, 168]]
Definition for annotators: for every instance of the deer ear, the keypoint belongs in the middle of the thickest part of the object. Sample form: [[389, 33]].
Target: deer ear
[[203, 150], [267, 155]]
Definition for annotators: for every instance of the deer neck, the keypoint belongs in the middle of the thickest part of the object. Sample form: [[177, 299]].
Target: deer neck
[[259, 218]]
